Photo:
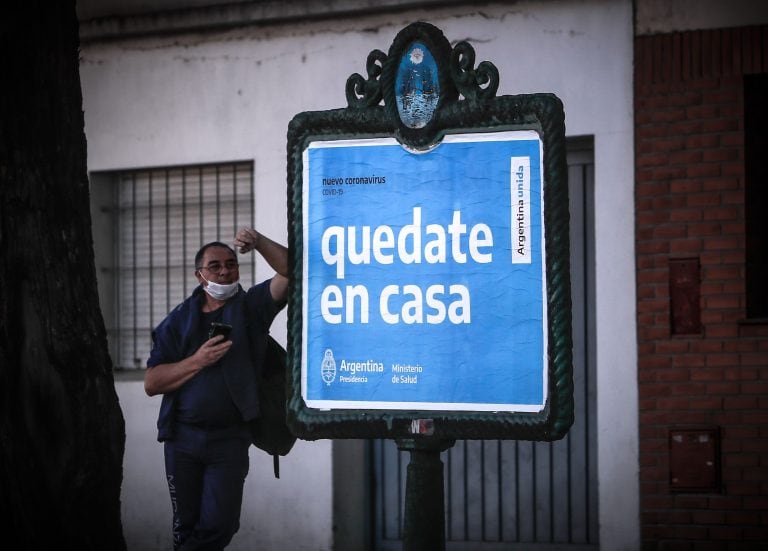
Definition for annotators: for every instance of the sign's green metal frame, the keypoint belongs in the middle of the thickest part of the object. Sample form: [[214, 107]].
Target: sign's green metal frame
[[467, 103]]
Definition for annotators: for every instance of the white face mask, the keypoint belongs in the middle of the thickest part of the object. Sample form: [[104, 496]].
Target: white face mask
[[219, 291]]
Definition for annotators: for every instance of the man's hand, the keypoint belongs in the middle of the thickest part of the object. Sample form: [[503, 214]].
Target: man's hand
[[276, 255], [211, 351], [165, 378], [247, 239]]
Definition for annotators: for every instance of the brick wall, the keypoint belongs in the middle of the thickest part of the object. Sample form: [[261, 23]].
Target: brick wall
[[690, 205]]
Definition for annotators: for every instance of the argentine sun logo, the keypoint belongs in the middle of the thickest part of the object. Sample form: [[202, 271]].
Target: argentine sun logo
[[328, 367]]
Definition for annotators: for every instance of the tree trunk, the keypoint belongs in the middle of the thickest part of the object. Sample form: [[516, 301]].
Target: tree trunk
[[62, 432]]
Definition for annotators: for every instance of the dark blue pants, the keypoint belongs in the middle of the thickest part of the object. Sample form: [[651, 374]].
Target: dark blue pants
[[206, 470]]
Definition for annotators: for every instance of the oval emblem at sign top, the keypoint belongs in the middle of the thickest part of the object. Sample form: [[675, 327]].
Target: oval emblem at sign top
[[417, 89]]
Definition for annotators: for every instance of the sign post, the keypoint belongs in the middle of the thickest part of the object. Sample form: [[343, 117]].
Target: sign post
[[430, 297]]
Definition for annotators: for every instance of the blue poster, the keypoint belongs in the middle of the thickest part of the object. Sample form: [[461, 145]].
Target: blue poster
[[424, 275]]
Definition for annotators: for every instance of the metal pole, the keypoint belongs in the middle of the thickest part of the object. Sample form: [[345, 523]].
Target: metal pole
[[424, 522]]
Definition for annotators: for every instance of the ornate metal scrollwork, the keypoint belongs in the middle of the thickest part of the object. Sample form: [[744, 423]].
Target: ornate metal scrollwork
[[476, 85], [362, 93], [433, 103]]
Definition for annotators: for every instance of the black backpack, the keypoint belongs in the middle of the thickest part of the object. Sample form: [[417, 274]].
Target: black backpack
[[270, 430]]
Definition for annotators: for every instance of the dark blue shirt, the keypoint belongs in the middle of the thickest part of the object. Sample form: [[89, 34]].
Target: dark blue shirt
[[204, 399]]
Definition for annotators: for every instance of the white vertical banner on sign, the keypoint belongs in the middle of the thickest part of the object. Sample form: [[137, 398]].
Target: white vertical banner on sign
[[520, 188]]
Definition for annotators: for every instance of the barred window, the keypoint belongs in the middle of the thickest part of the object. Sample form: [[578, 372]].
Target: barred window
[[147, 226]]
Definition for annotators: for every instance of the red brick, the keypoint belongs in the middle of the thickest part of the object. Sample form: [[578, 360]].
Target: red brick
[[714, 155], [703, 111], [724, 533], [722, 360], [756, 502], [708, 517], [756, 359], [724, 213], [710, 318], [711, 288], [739, 402], [722, 272], [756, 418], [741, 460], [686, 215], [672, 402], [723, 389], [732, 139], [689, 360], [672, 143], [745, 490], [756, 534], [708, 403], [721, 301], [719, 125], [653, 247], [670, 231], [652, 218], [685, 246], [668, 115], [704, 170], [724, 502], [721, 244], [686, 157], [707, 375], [702, 141], [720, 184], [743, 518], [721, 331], [652, 159], [679, 185], [685, 128], [669, 201], [688, 389], [732, 168], [689, 532], [725, 95], [726, 417], [668, 173], [755, 473], [703, 200], [742, 345], [704, 229], [740, 432]]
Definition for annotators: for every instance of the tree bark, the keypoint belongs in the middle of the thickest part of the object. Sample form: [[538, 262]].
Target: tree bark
[[62, 432]]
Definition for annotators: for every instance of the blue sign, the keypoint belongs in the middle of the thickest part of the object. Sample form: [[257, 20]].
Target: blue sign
[[424, 275]]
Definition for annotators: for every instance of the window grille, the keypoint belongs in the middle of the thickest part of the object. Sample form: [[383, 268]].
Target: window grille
[[148, 225]]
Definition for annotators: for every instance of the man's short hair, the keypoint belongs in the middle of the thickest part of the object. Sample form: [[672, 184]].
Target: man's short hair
[[201, 252]]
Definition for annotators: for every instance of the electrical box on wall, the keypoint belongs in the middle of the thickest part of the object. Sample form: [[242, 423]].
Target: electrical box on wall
[[694, 464], [684, 293]]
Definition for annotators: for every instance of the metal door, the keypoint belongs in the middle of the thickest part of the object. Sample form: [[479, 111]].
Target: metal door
[[518, 494]]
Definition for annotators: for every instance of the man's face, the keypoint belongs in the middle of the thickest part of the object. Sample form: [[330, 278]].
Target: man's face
[[218, 265]]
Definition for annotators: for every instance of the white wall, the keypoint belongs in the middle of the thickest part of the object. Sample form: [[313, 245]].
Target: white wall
[[664, 16], [226, 96]]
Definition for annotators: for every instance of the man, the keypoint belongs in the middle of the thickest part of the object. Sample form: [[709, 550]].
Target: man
[[209, 388]]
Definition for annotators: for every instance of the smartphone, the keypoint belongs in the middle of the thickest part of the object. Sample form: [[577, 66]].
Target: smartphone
[[219, 329]]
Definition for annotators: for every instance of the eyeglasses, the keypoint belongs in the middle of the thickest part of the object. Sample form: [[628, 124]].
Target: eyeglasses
[[216, 267]]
